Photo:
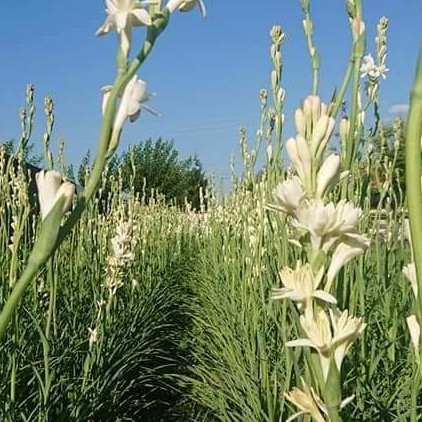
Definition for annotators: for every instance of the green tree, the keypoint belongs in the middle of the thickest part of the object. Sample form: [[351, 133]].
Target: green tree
[[157, 165]]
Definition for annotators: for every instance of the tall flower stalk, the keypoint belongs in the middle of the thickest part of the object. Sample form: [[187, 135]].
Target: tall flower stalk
[[329, 235], [414, 195]]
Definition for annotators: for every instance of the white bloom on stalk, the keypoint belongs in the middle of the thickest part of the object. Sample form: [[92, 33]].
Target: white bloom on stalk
[[346, 330], [288, 195], [326, 223], [51, 189], [327, 342], [93, 338], [415, 333], [133, 101], [186, 6], [409, 271], [308, 402], [122, 16], [320, 338], [301, 285], [372, 70], [121, 245]]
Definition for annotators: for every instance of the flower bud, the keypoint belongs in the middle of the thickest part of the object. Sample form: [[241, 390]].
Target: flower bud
[[50, 189], [344, 128], [318, 133], [300, 122], [328, 174]]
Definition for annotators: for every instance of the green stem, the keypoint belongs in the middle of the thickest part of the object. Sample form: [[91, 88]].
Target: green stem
[[416, 384], [413, 173], [344, 86]]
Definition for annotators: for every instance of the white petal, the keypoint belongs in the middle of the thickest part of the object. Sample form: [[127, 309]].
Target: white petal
[[112, 7], [141, 17], [324, 296], [121, 20], [302, 342], [105, 28]]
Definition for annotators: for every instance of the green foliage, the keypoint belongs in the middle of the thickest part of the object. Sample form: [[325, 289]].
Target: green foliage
[[155, 168]]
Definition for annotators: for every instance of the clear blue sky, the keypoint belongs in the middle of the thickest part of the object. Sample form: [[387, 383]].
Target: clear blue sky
[[206, 73]]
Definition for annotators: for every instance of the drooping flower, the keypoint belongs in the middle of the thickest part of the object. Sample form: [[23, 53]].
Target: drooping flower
[[347, 249], [122, 16], [409, 271], [308, 402], [50, 189], [186, 6], [132, 102], [301, 285], [288, 195]]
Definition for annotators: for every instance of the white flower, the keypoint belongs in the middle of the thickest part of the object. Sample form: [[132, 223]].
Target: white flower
[[93, 338], [301, 285], [186, 6], [308, 402], [50, 189], [132, 102], [329, 344], [347, 249], [327, 223], [415, 333], [320, 338], [288, 195], [122, 15], [409, 271], [370, 69], [346, 330]]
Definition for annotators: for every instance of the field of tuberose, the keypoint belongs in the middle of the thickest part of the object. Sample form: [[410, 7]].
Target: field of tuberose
[[291, 295]]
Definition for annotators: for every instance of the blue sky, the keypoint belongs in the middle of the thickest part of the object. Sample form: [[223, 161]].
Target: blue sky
[[206, 73]]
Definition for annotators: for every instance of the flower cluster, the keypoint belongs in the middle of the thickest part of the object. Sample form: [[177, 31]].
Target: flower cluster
[[120, 258], [374, 70], [123, 15], [329, 234]]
